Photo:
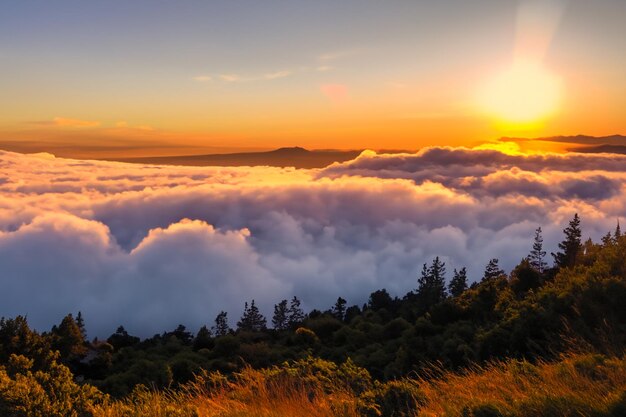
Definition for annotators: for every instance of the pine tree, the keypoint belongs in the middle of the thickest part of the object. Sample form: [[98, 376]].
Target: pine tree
[[537, 254], [182, 334], [492, 270], [203, 339], [252, 319], [296, 315], [280, 320], [80, 322], [458, 284], [339, 309], [571, 246], [618, 232], [431, 286], [69, 340], [221, 327]]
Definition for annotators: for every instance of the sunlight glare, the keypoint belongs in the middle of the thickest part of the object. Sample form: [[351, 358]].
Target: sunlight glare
[[523, 94]]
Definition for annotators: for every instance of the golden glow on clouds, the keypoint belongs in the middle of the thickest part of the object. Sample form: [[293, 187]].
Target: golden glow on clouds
[[66, 122], [509, 148]]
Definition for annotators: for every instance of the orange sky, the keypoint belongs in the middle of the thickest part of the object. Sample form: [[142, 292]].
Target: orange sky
[[197, 79]]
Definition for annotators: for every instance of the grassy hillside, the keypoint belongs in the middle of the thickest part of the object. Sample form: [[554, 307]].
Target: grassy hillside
[[576, 385]]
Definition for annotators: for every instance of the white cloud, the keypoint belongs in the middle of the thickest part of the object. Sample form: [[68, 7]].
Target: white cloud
[[150, 247]]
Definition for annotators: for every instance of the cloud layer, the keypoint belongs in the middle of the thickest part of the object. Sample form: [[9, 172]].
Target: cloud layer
[[152, 246]]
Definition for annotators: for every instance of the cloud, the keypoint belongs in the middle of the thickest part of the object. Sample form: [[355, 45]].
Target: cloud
[[67, 122], [230, 77], [153, 246], [277, 74]]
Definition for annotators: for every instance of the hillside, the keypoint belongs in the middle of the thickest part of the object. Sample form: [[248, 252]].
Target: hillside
[[283, 157]]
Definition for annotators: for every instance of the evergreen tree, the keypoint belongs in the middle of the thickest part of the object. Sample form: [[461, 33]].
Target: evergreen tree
[[280, 320], [571, 246], [492, 270], [525, 277], [221, 327], [182, 334], [380, 299], [252, 319], [618, 232], [607, 239], [80, 322], [431, 286], [537, 254], [69, 340], [339, 309], [296, 314], [121, 339], [203, 339], [458, 284]]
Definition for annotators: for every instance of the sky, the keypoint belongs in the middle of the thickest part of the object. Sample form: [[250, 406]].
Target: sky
[[142, 78]]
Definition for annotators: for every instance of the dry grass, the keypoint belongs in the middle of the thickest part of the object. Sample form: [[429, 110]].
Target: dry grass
[[252, 394], [578, 385]]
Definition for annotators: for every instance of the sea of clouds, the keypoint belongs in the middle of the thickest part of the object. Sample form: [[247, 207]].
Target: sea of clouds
[[150, 247]]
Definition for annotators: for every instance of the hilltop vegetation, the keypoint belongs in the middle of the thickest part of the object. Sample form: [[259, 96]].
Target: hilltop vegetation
[[498, 346]]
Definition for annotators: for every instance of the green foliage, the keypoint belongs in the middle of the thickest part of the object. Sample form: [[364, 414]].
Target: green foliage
[[252, 319], [458, 283], [43, 393], [399, 398], [571, 246]]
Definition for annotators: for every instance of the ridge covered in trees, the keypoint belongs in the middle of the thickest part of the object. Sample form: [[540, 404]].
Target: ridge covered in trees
[[533, 314]]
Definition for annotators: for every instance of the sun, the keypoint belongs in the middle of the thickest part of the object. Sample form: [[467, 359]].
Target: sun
[[524, 94]]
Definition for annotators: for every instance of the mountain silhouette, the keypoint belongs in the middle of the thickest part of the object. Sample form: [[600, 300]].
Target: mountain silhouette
[[282, 157]]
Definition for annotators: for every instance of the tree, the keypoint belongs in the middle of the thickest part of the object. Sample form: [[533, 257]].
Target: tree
[[458, 284], [182, 334], [380, 299], [69, 340], [252, 319], [221, 327], [431, 286], [492, 270], [570, 246], [203, 339], [296, 314], [121, 339], [80, 322], [525, 277], [339, 309], [280, 320], [618, 232], [537, 254]]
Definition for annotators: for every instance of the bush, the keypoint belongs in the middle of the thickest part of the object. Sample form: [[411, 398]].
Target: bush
[[399, 399], [44, 393]]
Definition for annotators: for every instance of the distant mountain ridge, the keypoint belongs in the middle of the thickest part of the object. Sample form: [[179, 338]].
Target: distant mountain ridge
[[619, 140], [582, 143], [282, 157]]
